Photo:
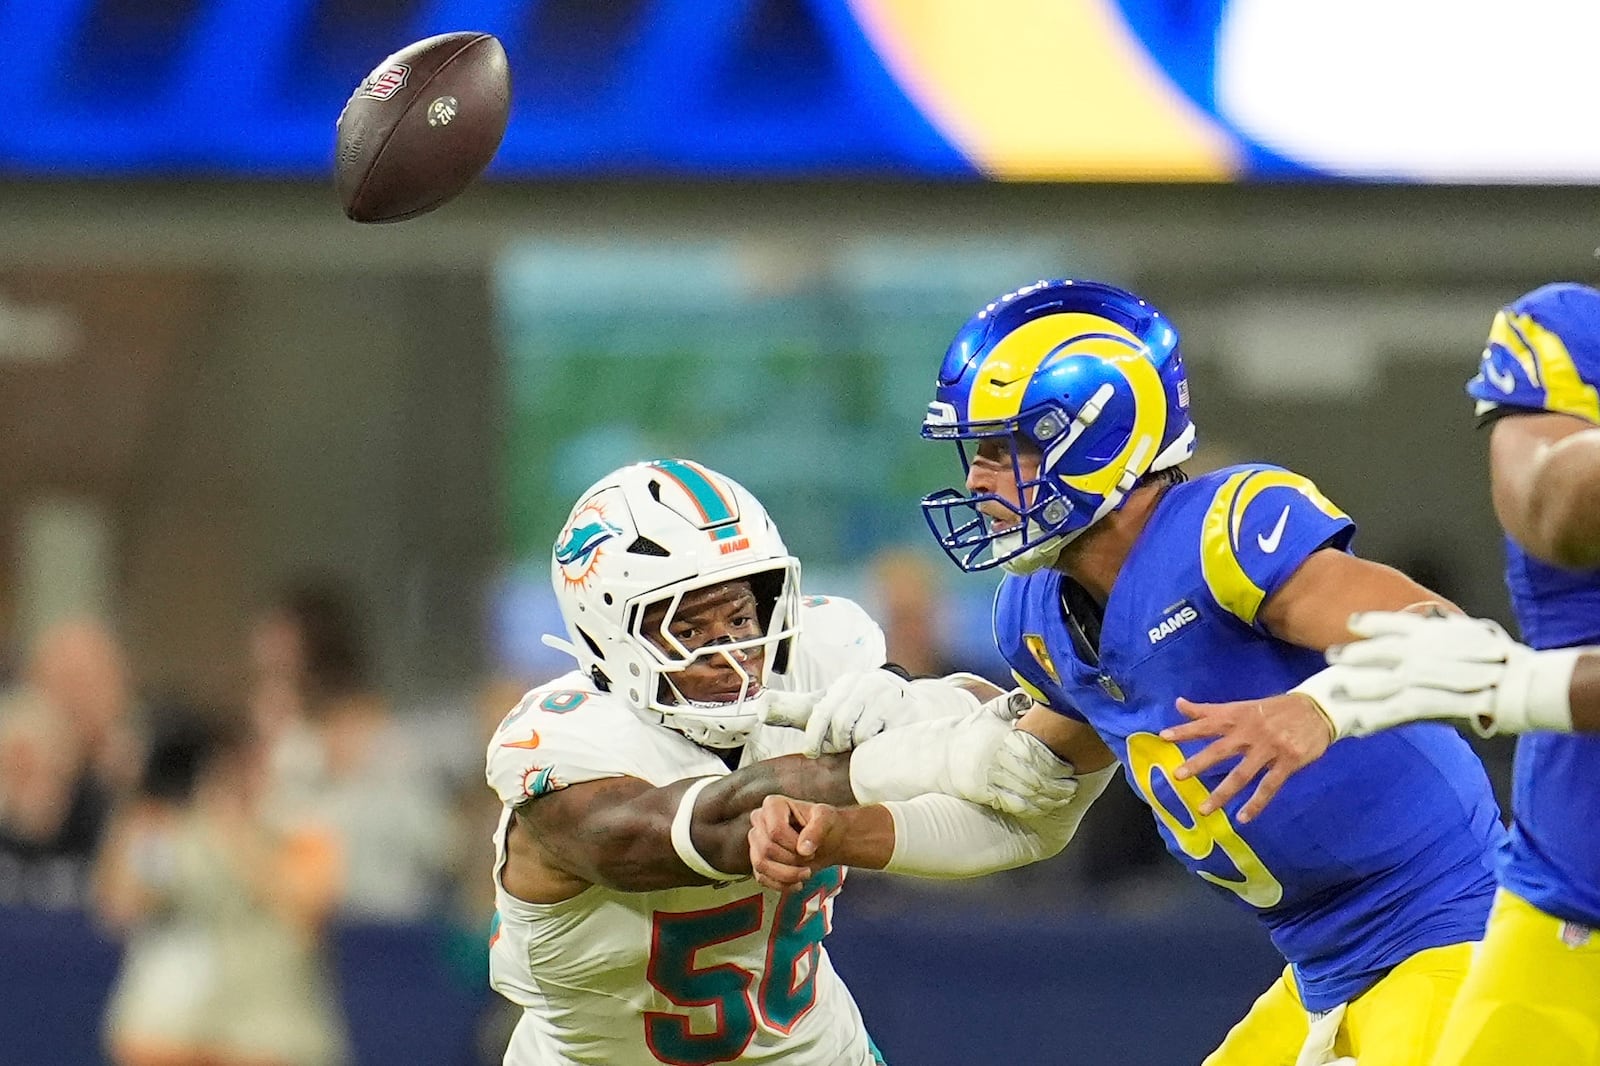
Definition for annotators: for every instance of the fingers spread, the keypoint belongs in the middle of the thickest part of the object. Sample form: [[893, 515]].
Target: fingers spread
[[1268, 788], [1209, 756], [1231, 785]]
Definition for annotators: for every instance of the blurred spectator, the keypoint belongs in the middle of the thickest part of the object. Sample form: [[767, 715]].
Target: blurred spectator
[[82, 671], [69, 748], [341, 757], [50, 814], [906, 589], [223, 912]]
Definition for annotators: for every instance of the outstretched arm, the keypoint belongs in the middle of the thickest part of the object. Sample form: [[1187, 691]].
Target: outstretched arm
[[941, 836], [1408, 668], [617, 832], [629, 835], [933, 836]]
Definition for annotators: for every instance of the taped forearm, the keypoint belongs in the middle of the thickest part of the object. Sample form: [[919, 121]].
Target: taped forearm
[[943, 837], [909, 761]]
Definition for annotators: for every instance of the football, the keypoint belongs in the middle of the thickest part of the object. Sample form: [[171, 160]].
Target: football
[[421, 126]]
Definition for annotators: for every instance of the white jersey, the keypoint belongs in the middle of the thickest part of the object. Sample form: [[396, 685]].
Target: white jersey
[[686, 975]]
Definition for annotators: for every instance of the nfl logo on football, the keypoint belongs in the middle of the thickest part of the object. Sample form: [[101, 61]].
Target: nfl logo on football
[[386, 82]]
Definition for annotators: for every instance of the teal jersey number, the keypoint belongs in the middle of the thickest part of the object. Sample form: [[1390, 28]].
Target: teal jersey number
[[788, 986]]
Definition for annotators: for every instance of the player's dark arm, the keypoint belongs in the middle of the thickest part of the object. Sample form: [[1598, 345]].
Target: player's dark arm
[[1311, 609], [1545, 474], [617, 832], [1585, 694]]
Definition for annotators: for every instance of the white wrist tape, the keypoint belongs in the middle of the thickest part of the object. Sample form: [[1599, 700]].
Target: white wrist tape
[[1536, 692], [683, 842], [1320, 688], [944, 837]]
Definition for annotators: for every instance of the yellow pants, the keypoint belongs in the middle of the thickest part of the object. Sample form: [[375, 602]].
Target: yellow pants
[[1532, 997], [1396, 1022]]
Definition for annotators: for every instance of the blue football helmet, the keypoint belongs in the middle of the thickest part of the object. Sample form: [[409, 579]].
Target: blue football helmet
[[1088, 374]]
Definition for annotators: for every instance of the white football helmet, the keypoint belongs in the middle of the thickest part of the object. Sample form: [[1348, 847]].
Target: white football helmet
[[648, 534]]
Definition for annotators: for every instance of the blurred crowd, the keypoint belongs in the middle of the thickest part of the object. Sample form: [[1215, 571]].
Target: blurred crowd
[[219, 844]]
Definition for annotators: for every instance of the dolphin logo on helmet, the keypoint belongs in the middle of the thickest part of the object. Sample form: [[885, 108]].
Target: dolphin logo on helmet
[[1088, 374]]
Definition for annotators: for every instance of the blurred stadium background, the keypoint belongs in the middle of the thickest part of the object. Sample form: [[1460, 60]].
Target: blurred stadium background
[[258, 458]]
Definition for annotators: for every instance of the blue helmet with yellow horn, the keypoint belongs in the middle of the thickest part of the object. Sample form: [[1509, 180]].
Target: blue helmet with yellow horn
[[1089, 376]]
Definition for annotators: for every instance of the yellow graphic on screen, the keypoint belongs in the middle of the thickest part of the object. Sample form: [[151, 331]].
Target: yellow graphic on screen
[[1045, 89]]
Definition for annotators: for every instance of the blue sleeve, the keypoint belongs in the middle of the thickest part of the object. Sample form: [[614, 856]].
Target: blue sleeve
[[1260, 525], [1026, 653], [1543, 354]]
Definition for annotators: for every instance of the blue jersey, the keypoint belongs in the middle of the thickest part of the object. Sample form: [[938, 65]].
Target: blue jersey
[[1544, 355], [1382, 848]]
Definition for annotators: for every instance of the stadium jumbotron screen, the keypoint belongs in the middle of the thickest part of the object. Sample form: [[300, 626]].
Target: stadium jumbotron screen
[[1030, 90]]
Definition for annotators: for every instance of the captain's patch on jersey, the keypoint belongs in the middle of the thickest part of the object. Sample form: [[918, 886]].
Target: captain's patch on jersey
[[1041, 655]]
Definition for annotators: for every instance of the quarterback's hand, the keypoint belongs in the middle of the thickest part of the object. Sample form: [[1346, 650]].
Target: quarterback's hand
[[1272, 738], [859, 706], [790, 838], [1411, 667]]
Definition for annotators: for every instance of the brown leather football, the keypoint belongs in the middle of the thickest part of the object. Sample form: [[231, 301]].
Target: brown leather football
[[422, 126]]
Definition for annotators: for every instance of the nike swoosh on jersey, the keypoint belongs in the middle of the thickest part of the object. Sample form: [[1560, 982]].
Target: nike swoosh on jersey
[[1504, 380], [1270, 542]]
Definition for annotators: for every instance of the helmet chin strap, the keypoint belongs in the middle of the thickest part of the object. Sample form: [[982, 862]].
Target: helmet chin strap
[[715, 731], [1036, 558], [716, 724]]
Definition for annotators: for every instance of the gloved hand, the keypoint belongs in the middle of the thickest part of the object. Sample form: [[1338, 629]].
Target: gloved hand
[[863, 704], [981, 757], [1413, 667]]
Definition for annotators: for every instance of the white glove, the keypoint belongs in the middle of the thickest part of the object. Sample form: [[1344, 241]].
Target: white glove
[[1411, 667], [1025, 776], [982, 758], [862, 705]]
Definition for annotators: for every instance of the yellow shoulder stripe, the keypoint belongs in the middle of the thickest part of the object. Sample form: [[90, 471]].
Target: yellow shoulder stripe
[[1219, 535], [1543, 354]]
